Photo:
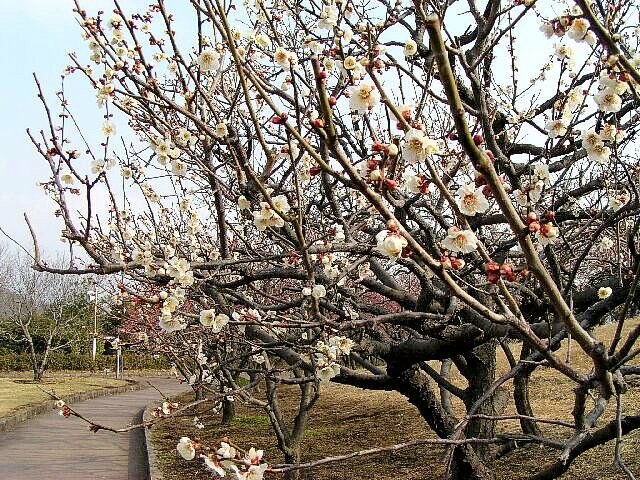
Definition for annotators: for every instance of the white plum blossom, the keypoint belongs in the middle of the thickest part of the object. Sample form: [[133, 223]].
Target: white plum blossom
[[604, 292], [327, 371], [201, 359], [529, 194], [243, 203], [207, 317], [338, 232], [417, 145], [226, 450], [610, 81], [547, 29], [364, 97], [618, 200], [267, 217], [349, 62], [564, 52], [556, 128], [255, 472], [347, 35], [417, 183], [254, 456], [97, 166], [184, 136], [541, 171], [591, 38], [599, 153], [390, 243], [222, 130], [471, 200], [263, 40], [458, 240], [186, 448], [281, 203], [343, 344], [328, 17], [108, 129], [209, 60], [606, 242], [284, 58], [608, 100], [216, 322], [213, 465], [410, 48], [548, 234], [178, 168], [169, 323], [318, 291], [578, 29]]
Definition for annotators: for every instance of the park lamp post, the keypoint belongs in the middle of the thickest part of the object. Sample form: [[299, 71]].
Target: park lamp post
[[92, 295], [118, 348]]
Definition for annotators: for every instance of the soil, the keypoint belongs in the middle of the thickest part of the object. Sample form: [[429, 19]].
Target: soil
[[348, 419]]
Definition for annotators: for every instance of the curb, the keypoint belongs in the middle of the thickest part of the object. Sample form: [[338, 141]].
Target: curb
[[153, 472], [12, 421]]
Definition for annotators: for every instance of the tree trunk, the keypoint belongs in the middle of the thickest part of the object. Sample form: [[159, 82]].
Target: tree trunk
[[199, 393], [228, 411], [521, 396], [445, 395], [33, 359], [480, 373], [415, 385], [293, 456]]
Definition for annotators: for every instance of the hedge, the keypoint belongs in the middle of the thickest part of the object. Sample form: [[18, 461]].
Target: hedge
[[79, 361]]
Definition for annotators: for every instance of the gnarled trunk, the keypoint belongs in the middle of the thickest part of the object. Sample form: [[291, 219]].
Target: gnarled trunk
[[416, 386], [521, 396], [480, 373], [228, 411]]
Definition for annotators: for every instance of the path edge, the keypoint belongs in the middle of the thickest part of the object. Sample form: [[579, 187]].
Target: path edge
[[153, 472], [12, 421]]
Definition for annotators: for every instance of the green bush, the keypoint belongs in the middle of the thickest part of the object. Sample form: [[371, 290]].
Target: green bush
[[78, 361]]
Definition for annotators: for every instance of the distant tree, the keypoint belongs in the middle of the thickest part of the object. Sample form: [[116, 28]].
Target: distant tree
[[41, 312]]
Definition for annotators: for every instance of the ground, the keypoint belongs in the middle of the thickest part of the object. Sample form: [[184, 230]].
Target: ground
[[347, 419], [18, 391]]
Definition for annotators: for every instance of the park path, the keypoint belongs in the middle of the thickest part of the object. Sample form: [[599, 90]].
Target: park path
[[51, 447]]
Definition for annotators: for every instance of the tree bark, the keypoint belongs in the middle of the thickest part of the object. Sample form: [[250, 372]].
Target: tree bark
[[228, 411], [445, 395], [480, 373], [415, 385], [521, 396], [293, 456]]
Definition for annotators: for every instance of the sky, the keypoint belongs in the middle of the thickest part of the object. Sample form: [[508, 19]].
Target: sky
[[36, 36]]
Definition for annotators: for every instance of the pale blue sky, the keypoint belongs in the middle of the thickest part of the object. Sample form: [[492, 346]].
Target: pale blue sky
[[35, 36]]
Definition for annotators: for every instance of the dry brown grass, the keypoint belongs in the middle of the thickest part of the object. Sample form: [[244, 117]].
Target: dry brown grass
[[348, 419], [18, 392]]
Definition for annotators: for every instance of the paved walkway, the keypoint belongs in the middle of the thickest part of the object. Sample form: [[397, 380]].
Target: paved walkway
[[51, 447]]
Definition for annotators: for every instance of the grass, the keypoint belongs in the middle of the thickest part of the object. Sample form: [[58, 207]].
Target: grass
[[346, 419], [19, 392]]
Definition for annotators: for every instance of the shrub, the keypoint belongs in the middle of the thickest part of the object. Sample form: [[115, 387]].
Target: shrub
[[77, 361]]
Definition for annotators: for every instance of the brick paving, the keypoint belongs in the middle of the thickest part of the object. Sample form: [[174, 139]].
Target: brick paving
[[51, 447]]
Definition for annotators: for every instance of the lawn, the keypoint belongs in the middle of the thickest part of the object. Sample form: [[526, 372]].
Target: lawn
[[18, 392], [348, 419]]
